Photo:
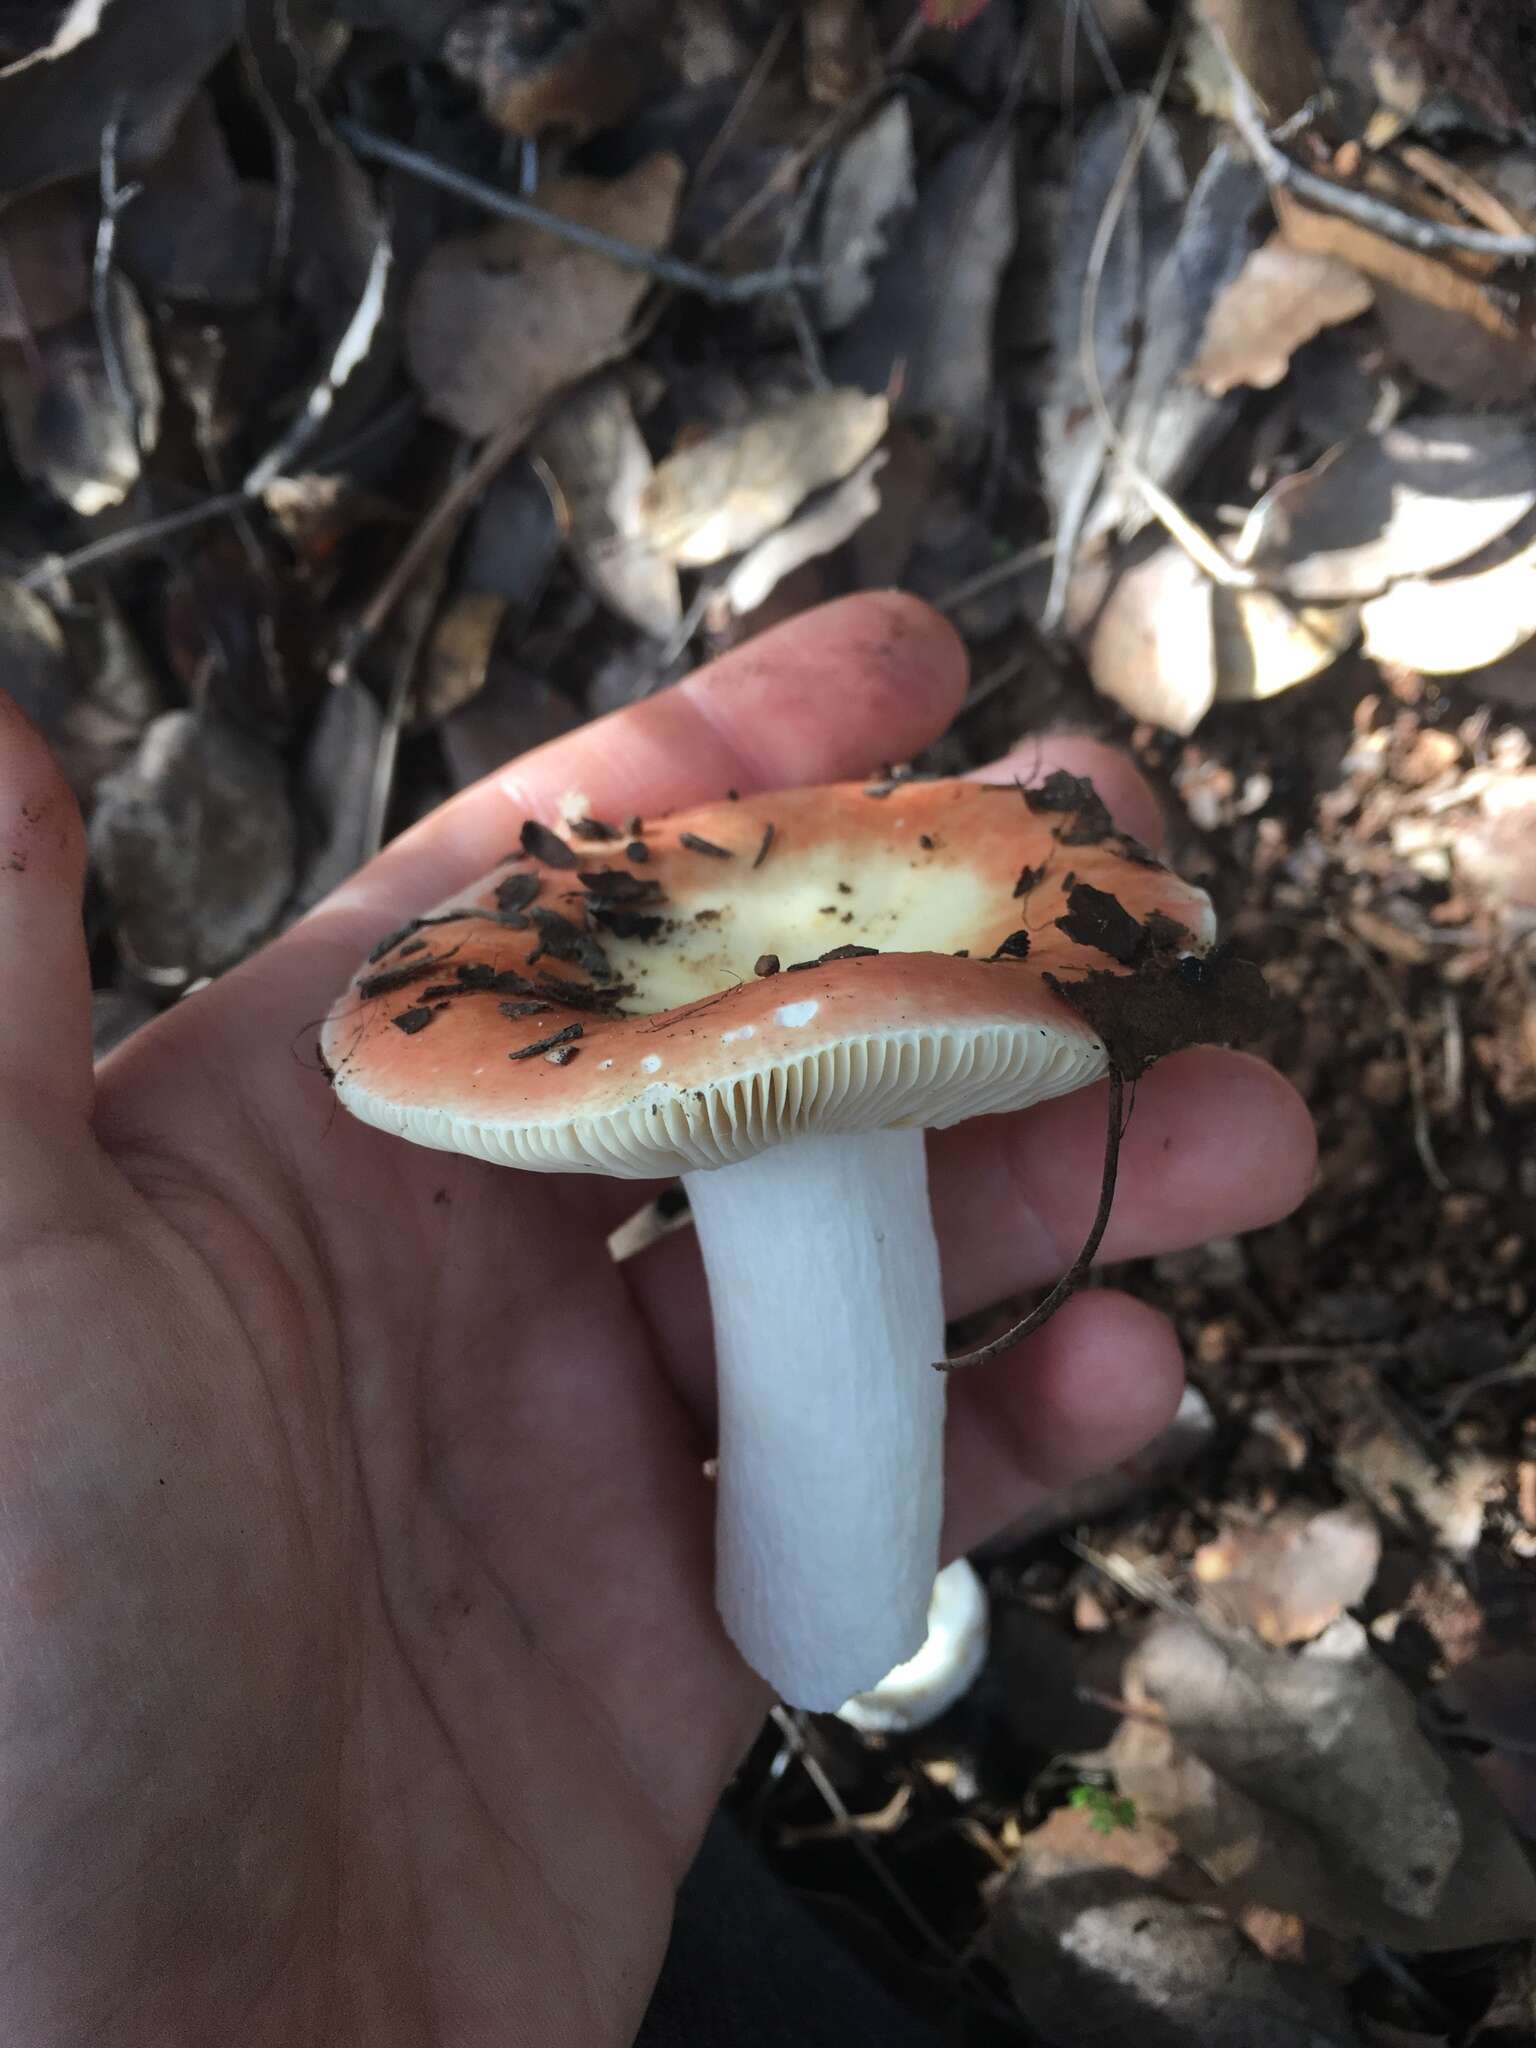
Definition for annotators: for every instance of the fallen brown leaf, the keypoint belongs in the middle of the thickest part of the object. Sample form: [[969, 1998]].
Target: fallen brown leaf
[[598, 457], [141, 59], [1456, 306], [1305, 1783], [1280, 299], [830, 519], [725, 492], [1289, 1578], [1418, 496], [539, 67], [457, 655], [194, 843], [1450, 624], [498, 322]]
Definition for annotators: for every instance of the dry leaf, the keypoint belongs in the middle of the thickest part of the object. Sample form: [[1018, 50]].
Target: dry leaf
[[725, 492], [1460, 315], [142, 58], [1269, 46], [1073, 444], [1168, 422], [1305, 1783], [44, 240], [872, 185], [336, 781], [1289, 1578], [35, 668], [498, 322], [1280, 299], [822, 526], [457, 655], [598, 457], [1488, 1706], [542, 67], [1153, 648], [927, 334], [840, 51], [1419, 496], [1168, 642], [951, 13], [1097, 1947], [1446, 625], [196, 232], [1265, 645], [1377, 1458], [194, 843], [66, 427]]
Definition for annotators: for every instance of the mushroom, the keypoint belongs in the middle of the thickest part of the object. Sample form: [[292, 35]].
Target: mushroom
[[945, 1668], [775, 998]]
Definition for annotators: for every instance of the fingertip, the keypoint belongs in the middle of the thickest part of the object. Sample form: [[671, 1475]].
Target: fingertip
[[1131, 802], [918, 646], [1249, 1117], [41, 832], [865, 679], [45, 1047]]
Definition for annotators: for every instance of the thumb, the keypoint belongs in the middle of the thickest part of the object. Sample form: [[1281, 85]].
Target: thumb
[[45, 1007]]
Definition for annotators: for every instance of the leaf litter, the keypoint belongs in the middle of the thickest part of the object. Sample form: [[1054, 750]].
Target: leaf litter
[[324, 497]]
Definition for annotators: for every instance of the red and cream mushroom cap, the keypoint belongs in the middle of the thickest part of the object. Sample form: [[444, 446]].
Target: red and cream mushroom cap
[[649, 1000]]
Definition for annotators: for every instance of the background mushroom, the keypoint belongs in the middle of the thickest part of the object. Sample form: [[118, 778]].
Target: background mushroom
[[776, 998]]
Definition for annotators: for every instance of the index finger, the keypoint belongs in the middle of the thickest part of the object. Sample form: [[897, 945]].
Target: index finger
[[832, 693]]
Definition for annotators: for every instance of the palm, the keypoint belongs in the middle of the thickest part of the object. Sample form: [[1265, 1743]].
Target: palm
[[359, 1677]]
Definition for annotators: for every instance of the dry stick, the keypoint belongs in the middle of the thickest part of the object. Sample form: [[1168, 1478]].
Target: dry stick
[[837, 124], [1453, 183], [452, 505], [1418, 1088], [1408, 228], [114, 198], [131, 540], [788, 1725], [688, 277], [1077, 1272], [1028, 558], [751, 88]]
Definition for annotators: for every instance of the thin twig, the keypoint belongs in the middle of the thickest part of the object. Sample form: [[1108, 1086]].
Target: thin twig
[[1026, 559], [986, 688], [1418, 1087], [837, 124], [1410, 229], [386, 753], [689, 277], [448, 509], [751, 88], [114, 198], [788, 1725], [132, 540], [1077, 1272]]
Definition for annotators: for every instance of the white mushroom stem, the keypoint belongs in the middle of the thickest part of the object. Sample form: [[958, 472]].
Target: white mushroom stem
[[824, 1281]]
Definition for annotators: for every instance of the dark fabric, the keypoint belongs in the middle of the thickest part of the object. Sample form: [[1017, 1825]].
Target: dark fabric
[[748, 1967]]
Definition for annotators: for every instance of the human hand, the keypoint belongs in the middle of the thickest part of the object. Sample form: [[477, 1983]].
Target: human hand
[[360, 1679]]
